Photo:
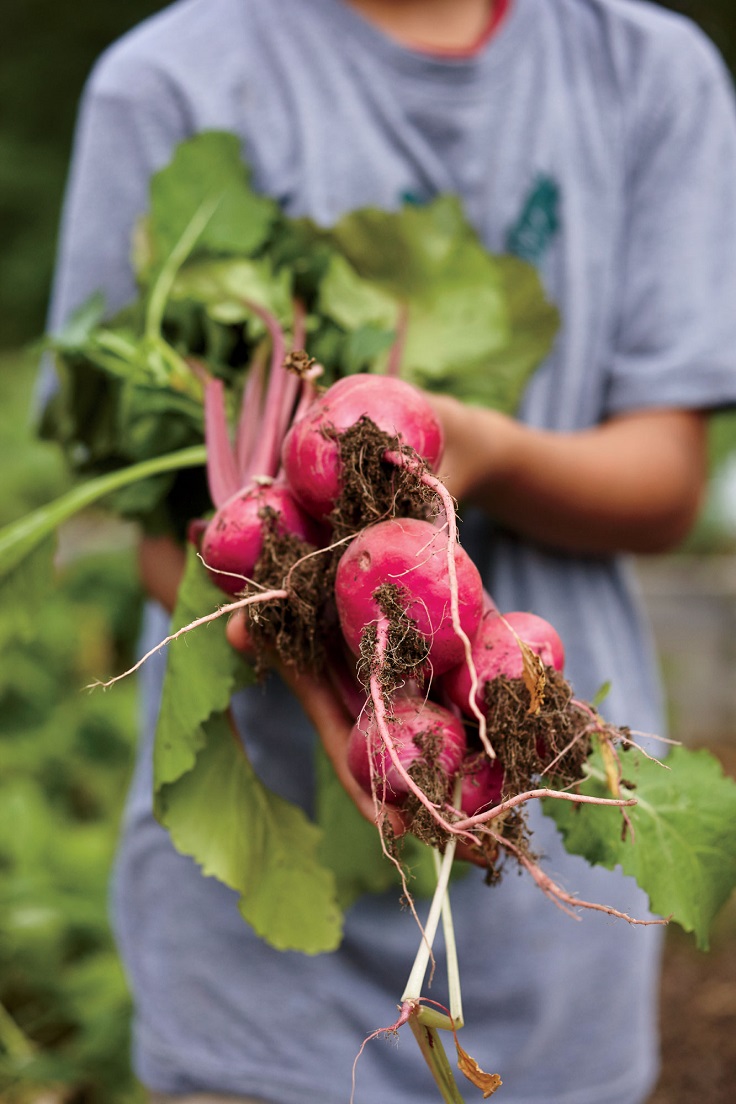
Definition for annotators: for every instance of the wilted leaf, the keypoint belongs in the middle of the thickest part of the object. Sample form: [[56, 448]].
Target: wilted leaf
[[534, 677], [486, 1082]]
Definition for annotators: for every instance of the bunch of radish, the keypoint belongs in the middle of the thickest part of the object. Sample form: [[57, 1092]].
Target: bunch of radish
[[333, 531], [331, 525]]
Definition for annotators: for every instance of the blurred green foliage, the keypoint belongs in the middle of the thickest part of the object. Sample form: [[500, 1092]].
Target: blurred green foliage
[[48, 51], [66, 756]]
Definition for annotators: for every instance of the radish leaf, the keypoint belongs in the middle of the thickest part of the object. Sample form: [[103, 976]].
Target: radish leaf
[[205, 169], [477, 323], [223, 286], [255, 842], [215, 808], [684, 851]]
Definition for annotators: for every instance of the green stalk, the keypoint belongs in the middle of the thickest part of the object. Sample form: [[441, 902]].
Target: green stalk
[[164, 282], [413, 988], [453, 970], [19, 539], [14, 1041], [434, 1055]]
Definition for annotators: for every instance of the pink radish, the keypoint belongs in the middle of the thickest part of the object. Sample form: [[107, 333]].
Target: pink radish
[[413, 555], [243, 478], [496, 652], [422, 732], [233, 540], [482, 783], [311, 455]]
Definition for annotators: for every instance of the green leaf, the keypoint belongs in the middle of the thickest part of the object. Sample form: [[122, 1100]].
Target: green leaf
[[207, 168], [477, 323], [257, 843], [683, 850], [202, 673], [353, 301], [21, 537], [363, 347], [223, 286], [351, 848], [407, 251], [213, 805]]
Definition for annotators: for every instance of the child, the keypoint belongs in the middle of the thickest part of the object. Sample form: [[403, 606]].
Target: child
[[596, 139]]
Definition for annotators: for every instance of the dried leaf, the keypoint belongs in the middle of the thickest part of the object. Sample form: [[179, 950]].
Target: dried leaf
[[534, 677], [612, 767], [486, 1082]]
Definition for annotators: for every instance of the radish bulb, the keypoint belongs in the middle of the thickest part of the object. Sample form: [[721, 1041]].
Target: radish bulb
[[311, 453], [428, 739], [232, 542], [412, 555], [496, 651]]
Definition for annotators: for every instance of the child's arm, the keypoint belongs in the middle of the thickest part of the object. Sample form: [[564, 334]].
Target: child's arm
[[632, 484]]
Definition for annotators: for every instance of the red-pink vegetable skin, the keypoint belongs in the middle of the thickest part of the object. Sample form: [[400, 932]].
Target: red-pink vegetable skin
[[496, 652], [415, 725], [411, 554], [311, 456], [233, 540]]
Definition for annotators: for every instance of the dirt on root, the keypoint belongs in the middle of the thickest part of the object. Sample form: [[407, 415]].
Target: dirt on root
[[698, 1007]]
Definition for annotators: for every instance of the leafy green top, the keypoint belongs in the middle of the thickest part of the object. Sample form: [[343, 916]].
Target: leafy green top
[[210, 255], [210, 248]]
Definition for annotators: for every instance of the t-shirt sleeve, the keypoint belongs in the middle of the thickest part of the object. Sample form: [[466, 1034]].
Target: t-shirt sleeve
[[675, 343], [129, 121]]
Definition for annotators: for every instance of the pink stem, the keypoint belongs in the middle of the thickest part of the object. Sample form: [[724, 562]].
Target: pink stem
[[250, 415], [396, 353], [280, 393], [292, 385], [222, 470]]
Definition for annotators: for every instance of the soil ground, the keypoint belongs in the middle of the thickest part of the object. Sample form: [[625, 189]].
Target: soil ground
[[698, 1008]]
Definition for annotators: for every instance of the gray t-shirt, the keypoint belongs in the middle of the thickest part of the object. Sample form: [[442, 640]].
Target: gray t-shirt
[[596, 138]]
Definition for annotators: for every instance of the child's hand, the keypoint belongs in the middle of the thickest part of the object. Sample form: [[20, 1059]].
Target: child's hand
[[632, 484]]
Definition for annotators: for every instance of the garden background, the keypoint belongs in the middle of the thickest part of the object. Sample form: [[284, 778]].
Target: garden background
[[65, 755]]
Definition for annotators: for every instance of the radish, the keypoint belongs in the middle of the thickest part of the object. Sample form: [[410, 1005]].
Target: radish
[[482, 783], [426, 736], [311, 452], [243, 476], [413, 556], [233, 540], [496, 651]]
